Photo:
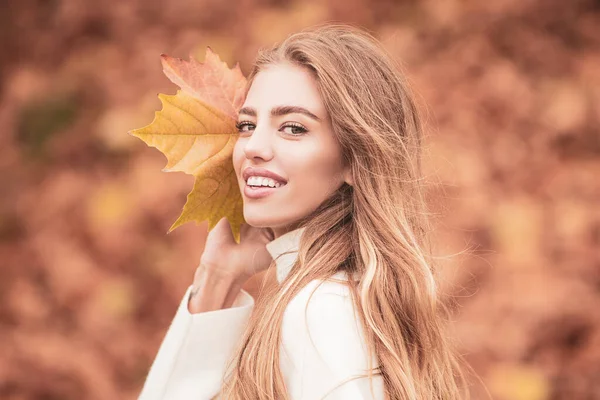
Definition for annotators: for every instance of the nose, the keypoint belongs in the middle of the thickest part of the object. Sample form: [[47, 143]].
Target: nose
[[259, 144]]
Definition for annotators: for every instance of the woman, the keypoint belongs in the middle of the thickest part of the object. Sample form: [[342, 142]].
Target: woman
[[328, 123]]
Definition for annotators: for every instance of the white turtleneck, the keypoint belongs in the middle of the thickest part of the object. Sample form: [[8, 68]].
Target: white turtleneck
[[284, 251], [322, 342]]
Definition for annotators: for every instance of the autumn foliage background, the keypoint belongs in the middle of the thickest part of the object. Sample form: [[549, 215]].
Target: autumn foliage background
[[89, 280]]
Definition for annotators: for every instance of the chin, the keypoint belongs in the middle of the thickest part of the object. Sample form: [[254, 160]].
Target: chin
[[257, 219]]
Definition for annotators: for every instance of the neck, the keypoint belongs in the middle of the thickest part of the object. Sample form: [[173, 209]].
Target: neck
[[284, 250], [282, 230]]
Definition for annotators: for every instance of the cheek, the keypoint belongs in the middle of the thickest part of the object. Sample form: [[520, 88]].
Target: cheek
[[316, 174], [238, 157]]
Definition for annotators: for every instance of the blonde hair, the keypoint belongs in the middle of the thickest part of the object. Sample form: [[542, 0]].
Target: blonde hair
[[375, 228]]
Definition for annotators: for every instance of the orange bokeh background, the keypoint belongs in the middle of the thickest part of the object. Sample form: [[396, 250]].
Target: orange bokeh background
[[89, 279]]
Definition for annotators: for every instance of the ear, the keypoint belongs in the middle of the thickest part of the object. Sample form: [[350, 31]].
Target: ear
[[348, 176]]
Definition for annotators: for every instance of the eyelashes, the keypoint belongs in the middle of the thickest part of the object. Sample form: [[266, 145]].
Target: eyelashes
[[241, 125], [300, 130], [296, 128]]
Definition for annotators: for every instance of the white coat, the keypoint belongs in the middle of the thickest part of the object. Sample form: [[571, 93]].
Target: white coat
[[192, 358]]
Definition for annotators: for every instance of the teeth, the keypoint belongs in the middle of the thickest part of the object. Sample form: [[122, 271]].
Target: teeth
[[261, 181]]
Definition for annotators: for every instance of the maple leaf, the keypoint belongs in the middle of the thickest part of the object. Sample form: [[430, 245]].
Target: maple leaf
[[196, 131]]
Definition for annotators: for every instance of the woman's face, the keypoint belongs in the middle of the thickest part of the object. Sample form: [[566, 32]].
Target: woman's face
[[285, 129]]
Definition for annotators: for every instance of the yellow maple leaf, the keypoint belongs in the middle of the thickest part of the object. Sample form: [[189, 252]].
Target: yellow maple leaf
[[196, 131]]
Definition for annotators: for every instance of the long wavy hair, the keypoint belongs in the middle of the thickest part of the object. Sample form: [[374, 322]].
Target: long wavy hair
[[376, 228]]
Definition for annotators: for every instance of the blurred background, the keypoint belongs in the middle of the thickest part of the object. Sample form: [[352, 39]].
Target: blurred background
[[89, 279]]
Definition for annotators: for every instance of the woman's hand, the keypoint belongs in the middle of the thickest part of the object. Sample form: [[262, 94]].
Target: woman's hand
[[223, 255], [225, 265]]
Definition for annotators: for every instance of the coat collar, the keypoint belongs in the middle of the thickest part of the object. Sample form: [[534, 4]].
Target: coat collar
[[284, 251]]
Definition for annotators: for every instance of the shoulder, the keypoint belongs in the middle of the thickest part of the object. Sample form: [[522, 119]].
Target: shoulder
[[321, 297], [323, 317], [324, 343]]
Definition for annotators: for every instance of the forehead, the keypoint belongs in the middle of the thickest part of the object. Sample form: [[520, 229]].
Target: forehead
[[285, 84]]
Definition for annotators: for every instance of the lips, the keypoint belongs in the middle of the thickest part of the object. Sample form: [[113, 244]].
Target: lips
[[256, 171], [260, 191]]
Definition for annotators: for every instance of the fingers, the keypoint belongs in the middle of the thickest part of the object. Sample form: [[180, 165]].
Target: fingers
[[224, 229]]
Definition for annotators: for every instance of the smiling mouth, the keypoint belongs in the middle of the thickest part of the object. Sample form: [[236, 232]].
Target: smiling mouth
[[256, 187], [264, 187], [258, 182], [277, 185], [257, 192]]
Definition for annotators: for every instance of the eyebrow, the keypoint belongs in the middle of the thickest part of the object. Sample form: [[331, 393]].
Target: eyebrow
[[281, 110]]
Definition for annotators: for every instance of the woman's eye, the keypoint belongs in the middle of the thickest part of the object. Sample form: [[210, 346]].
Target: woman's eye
[[242, 125], [294, 129]]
